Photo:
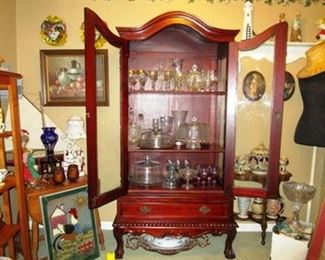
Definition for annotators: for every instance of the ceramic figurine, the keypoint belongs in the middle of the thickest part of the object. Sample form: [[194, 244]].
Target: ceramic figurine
[[257, 208], [274, 208], [282, 17], [296, 34], [30, 168], [243, 206], [247, 24], [321, 25], [258, 160], [283, 163], [240, 163]]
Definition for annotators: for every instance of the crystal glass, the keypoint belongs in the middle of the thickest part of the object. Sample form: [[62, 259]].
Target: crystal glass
[[142, 78], [177, 73], [153, 76], [166, 124], [298, 194], [168, 76], [179, 117], [132, 79]]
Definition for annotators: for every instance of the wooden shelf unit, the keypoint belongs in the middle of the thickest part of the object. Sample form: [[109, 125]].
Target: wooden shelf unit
[[8, 82]]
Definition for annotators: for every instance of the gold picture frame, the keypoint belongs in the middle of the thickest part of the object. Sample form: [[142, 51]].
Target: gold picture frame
[[63, 77]]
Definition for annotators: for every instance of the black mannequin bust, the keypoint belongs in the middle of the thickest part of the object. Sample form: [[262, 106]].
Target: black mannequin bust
[[311, 125]]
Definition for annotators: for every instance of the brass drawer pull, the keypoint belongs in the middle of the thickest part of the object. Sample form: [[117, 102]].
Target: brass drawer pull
[[204, 209], [145, 210]]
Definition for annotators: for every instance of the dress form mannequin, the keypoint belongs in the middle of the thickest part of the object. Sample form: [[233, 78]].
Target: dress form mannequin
[[311, 125]]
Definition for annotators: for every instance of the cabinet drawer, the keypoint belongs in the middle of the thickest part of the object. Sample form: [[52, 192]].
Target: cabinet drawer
[[173, 210]]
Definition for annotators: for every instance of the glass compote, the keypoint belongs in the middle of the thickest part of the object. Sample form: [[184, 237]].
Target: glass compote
[[187, 174], [298, 194]]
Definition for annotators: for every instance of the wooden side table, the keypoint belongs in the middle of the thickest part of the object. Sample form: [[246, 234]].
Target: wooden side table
[[34, 209]]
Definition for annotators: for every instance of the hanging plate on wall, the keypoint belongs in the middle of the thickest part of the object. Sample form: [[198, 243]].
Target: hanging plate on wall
[[53, 31], [99, 39], [289, 86], [254, 86]]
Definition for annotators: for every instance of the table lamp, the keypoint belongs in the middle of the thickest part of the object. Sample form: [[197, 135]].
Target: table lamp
[[73, 154]]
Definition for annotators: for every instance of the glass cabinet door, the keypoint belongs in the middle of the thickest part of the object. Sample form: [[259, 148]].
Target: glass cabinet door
[[255, 104], [102, 163]]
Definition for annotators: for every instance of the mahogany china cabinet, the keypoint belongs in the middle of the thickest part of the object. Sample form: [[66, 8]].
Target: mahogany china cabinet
[[179, 96]]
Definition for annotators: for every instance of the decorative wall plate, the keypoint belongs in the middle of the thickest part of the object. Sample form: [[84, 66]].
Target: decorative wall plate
[[254, 86], [168, 245], [289, 86], [99, 39], [53, 31]]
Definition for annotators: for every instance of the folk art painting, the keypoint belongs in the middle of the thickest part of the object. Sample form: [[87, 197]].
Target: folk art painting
[[69, 225]]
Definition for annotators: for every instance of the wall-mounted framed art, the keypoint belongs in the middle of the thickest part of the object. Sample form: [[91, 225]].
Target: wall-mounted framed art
[[69, 225], [63, 77]]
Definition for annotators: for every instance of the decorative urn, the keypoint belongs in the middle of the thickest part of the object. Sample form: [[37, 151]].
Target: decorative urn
[[258, 160]]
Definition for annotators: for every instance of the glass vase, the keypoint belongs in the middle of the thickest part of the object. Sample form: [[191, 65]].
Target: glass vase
[[49, 139]]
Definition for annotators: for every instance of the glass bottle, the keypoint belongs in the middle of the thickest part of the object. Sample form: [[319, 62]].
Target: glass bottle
[[134, 133]]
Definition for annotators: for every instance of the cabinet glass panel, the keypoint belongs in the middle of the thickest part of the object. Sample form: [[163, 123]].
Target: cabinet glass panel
[[254, 96], [176, 109], [108, 118]]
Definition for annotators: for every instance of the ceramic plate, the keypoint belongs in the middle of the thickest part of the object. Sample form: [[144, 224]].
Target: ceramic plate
[[99, 39], [53, 31], [289, 86], [171, 243], [254, 86]]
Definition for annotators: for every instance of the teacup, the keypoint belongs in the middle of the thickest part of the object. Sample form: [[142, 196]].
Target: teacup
[[3, 174]]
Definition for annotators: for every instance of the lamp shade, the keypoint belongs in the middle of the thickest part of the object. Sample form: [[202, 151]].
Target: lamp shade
[[75, 128]]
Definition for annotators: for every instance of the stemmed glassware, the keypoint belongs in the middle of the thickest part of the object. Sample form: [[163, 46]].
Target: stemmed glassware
[[177, 73], [142, 78], [132, 79], [168, 75], [298, 194], [153, 76]]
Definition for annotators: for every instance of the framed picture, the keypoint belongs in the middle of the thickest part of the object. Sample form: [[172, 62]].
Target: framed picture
[[69, 225], [289, 86], [63, 77], [254, 86]]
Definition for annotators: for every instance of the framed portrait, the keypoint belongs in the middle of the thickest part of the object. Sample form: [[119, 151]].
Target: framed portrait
[[69, 225], [254, 86], [63, 77], [289, 86]]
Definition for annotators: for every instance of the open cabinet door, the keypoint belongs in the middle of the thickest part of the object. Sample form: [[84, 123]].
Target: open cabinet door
[[105, 144], [254, 113]]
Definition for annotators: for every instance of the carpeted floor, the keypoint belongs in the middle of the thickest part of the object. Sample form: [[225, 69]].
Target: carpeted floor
[[247, 246]]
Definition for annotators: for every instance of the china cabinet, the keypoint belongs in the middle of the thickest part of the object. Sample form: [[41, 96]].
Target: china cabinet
[[9, 228], [179, 80]]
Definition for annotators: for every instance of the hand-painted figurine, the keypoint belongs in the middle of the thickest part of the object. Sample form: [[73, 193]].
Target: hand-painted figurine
[[30, 169], [321, 25], [282, 17], [296, 35]]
